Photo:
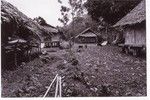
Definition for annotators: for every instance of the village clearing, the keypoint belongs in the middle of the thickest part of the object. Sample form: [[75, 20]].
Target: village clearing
[[92, 71]]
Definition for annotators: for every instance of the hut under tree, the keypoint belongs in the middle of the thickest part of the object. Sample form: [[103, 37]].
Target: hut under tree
[[53, 40], [53, 37], [87, 36], [134, 30]]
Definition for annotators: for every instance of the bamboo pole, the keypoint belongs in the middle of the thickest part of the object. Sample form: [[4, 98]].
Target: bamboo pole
[[60, 88], [56, 90], [50, 86]]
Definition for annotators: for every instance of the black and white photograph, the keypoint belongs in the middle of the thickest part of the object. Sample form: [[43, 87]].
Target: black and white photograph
[[73, 48]]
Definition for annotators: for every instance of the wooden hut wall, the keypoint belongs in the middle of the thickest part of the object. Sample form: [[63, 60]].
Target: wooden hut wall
[[135, 36], [52, 43], [81, 39]]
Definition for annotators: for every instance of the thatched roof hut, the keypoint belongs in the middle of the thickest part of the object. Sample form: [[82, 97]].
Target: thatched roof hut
[[19, 35], [86, 36], [55, 37], [137, 15], [134, 29]]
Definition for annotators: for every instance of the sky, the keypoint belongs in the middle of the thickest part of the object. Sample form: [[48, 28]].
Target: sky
[[48, 9]]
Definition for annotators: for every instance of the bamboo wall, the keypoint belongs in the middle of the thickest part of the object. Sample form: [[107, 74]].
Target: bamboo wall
[[135, 36]]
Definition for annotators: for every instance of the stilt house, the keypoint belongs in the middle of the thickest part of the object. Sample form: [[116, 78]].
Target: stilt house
[[134, 29]]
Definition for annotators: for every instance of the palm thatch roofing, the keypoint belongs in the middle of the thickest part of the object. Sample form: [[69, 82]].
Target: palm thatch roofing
[[137, 15], [50, 29], [11, 16], [84, 34]]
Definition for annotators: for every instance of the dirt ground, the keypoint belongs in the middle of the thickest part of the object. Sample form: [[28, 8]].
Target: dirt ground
[[88, 71]]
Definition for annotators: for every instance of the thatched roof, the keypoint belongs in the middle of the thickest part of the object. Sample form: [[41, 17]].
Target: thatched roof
[[11, 16], [84, 34], [137, 15], [47, 27], [50, 29]]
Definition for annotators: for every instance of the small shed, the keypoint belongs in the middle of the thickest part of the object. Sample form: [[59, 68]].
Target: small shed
[[87, 36], [134, 29]]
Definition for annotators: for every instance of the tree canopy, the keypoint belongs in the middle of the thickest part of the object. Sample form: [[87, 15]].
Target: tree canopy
[[110, 11], [75, 9]]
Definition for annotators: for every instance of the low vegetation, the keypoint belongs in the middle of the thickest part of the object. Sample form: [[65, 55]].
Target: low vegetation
[[95, 71]]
